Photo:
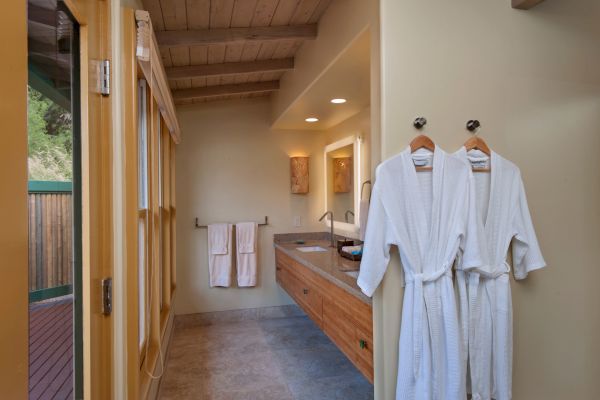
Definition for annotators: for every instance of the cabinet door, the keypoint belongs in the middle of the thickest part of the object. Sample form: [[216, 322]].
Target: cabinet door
[[307, 297], [280, 275], [364, 352], [338, 325], [313, 302]]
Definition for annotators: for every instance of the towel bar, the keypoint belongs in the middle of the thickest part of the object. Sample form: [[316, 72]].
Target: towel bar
[[206, 226]]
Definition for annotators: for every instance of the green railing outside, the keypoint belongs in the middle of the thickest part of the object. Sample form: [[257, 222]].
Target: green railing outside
[[50, 293], [50, 187]]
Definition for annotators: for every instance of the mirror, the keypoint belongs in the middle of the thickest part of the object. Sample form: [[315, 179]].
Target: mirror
[[342, 181]]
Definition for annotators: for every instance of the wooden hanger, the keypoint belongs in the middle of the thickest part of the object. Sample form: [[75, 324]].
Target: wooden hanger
[[478, 143], [422, 142]]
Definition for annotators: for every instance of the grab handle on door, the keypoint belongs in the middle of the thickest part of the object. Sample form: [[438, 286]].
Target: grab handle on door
[[107, 296]]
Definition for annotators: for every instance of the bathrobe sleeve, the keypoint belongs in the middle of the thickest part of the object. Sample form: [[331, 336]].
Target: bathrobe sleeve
[[378, 240], [526, 253], [471, 234]]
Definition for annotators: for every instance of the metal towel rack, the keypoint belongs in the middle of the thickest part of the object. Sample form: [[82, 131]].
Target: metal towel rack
[[259, 224]]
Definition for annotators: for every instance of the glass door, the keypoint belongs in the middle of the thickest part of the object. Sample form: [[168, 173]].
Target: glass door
[[54, 168]]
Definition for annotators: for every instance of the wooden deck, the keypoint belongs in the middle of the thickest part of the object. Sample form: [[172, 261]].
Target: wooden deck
[[51, 349]]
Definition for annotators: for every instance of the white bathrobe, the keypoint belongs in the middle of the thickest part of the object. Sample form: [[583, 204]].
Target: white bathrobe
[[484, 296], [429, 216]]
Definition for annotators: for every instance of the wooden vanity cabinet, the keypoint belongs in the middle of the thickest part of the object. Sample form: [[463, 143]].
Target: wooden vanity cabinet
[[343, 317]]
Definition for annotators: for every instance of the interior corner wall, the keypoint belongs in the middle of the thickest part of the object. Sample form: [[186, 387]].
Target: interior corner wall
[[232, 167], [342, 22], [533, 80]]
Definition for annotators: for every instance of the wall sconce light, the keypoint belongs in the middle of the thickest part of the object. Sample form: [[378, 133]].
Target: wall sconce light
[[299, 174]]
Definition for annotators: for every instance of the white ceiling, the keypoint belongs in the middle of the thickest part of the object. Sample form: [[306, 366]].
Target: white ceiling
[[348, 77]]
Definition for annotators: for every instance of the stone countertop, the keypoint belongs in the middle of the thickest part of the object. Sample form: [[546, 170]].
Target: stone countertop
[[330, 265]]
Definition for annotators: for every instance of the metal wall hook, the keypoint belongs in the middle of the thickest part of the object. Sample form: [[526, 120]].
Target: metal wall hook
[[473, 125], [420, 122]]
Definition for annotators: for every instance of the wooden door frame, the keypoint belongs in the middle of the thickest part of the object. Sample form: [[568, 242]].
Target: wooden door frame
[[93, 17], [96, 229], [14, 235]]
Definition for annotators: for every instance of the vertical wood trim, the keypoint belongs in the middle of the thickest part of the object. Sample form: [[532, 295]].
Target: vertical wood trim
[[85, 212], [130, 130], [14, 239], [166, 221], [154, 296], [173, 213], [96, 189]]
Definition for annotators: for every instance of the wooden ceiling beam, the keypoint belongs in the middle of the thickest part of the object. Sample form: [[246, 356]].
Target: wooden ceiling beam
[[525, 4], [230, 68], [39, 47], [221, 90], [41, 15], [229, 35]]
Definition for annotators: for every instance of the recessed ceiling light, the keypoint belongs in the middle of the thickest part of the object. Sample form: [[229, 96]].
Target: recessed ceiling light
[[338, 101], [311, 119]]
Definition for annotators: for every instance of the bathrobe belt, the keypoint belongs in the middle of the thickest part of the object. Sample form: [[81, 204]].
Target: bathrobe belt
[[490, 289], [420, 304]]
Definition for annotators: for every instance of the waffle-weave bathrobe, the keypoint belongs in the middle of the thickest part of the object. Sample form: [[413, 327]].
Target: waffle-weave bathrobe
[[485, 295], [429, 216]]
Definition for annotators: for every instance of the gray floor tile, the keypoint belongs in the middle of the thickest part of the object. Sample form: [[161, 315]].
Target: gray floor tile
[[295, 333], [336, 388], [312, 364], [272, 359], [273, 392]]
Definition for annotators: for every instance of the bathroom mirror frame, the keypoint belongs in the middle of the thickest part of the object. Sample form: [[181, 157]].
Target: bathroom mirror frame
[[354, 140]]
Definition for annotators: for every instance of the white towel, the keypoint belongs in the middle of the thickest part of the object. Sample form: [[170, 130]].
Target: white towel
[[220, 254], [246, 238], [364, 216]]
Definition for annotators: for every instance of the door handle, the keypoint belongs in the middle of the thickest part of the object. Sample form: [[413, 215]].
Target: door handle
[[305, 291], [107, 296], [362, 343]]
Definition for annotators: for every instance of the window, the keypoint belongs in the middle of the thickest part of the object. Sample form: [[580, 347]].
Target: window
[[155, 229], [160, 209], [143, 209]]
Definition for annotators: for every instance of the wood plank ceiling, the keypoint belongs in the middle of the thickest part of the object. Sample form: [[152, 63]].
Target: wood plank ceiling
[[224, 49]]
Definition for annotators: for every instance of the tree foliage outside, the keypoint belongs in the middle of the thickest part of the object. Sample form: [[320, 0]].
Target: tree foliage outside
[[50, 139]]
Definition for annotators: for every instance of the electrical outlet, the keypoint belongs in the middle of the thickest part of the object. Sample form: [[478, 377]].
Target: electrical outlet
[[297, 221]]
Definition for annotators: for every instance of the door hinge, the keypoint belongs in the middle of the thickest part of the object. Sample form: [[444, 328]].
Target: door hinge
[[105, 78], [107, 296]]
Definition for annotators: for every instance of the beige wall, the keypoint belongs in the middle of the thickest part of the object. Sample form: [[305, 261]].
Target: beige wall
[[533, 79], [13, 204], [232, 167], [313, 58]]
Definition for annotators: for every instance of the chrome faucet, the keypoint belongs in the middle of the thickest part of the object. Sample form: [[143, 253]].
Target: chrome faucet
[[346, 215], [331, 219]]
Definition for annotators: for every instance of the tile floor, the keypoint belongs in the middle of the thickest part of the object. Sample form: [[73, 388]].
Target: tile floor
[[272, 359]]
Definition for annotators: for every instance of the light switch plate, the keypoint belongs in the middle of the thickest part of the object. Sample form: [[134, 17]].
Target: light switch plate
[[297, 221]]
